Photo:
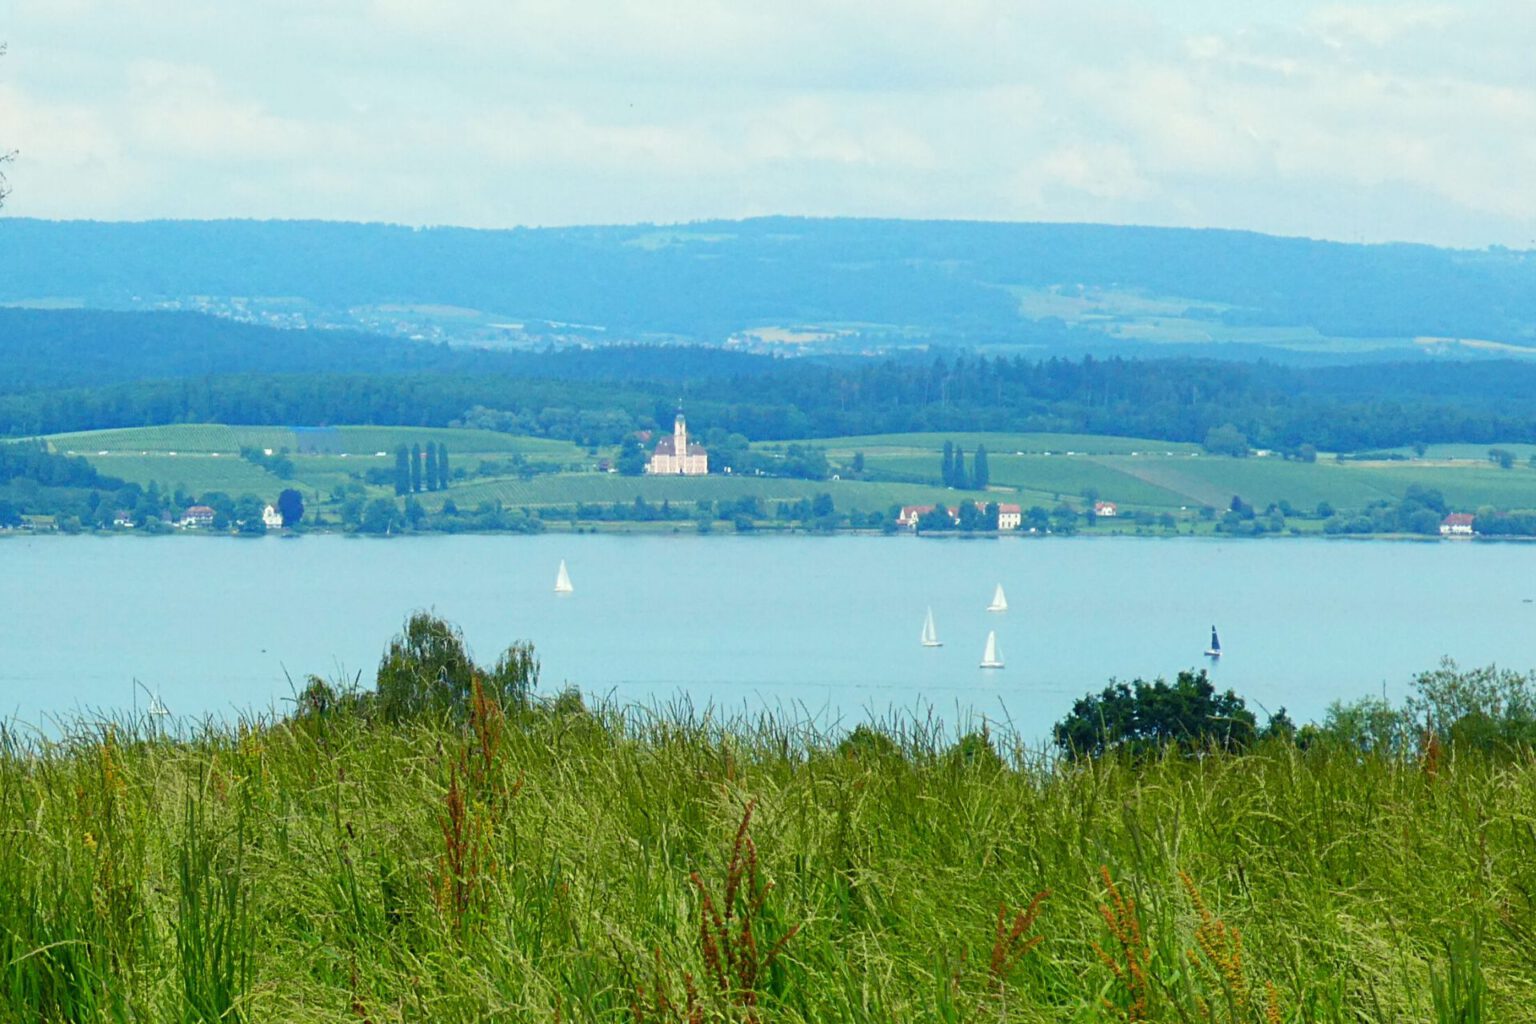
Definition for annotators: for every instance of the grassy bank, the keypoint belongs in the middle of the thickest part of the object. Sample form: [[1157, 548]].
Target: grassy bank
[[555, 864]]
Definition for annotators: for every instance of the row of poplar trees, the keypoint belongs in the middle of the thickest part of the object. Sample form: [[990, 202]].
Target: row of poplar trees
[[954, 472], [418, 469]]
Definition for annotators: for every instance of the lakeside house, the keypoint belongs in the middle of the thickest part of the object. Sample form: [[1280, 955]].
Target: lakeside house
[[1457, 524], [272, 518], [1009, 517], [197, 517], [676, 455], [1105, 509]]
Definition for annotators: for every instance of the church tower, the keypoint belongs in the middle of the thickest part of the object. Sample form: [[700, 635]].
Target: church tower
[[680, 440]]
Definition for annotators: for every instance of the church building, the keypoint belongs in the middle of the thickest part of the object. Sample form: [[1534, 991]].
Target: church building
[[676, 456]]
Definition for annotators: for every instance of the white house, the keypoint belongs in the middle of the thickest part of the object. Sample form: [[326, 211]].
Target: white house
[[272, 518], [1009, 517], [1457, 524], [197, 517], [1105, 509]]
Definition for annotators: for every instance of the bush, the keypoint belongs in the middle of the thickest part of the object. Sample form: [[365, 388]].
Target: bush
[[427, 669], [868, 745], [1144, 717], [975, 752]]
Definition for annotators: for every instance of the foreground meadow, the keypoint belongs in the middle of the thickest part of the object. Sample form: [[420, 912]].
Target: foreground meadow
[[554, 863]]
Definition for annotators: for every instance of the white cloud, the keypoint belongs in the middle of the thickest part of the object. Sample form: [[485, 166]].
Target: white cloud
[[495, 112]]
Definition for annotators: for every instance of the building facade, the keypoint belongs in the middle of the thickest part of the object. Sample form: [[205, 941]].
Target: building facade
[[1457, 524], [677, 456]]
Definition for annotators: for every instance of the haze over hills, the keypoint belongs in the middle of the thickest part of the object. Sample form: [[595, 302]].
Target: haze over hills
[[795, 284]]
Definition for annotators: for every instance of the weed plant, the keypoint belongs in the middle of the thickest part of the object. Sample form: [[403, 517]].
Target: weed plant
[[541, 862]]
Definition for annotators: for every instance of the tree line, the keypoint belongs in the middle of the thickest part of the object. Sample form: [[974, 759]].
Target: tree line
[[1285, 409], [954, 474], [415, 472]]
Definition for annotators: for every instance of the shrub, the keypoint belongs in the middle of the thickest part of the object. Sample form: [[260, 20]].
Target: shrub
[[1142, 717], [427, 669]]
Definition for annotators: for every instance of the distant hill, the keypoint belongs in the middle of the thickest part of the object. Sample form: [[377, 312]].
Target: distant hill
[[44, 350], [795, 284]]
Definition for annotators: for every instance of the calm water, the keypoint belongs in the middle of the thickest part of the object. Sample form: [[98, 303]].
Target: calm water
[[827, 626]]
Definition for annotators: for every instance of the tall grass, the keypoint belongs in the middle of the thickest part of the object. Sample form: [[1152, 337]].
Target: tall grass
[[565, 864]]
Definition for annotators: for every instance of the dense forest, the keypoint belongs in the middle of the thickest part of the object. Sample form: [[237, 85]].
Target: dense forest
[[87, 370], [951, 280]]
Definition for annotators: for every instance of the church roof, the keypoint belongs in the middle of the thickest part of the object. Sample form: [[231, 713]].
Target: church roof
[[667, 446]]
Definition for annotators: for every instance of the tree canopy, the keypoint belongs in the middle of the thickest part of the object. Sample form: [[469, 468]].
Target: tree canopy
[[1140, 717]]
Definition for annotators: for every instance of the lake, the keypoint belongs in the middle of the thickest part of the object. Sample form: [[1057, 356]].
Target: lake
[[824, 626]]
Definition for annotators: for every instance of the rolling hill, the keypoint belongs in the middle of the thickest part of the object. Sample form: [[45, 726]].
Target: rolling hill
[[798, 284]]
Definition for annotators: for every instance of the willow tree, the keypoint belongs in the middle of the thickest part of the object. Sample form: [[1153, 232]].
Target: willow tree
[[427, 669]]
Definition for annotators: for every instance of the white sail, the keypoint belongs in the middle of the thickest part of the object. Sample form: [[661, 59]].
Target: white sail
[[992, 657], [930, 634], [563, 580], [999, 601]]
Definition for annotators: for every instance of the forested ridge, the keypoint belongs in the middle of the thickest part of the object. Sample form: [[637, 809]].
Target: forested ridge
[[949, 279], [86, 369], [1172, 400]]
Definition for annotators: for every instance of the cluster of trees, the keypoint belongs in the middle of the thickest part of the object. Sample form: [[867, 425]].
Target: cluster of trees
[[1420, 511], [954, 474], [427, 671], [278, 463], [973, 517], [415, 472], [358, 513], [1226, 440], [1505, 524], [1141, 717], [1283, 409], [33, 461], [1486, 710]]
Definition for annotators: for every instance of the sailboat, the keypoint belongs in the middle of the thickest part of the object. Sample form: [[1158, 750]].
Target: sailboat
[[563, 580], [930, 634], [157, 707], [992, 657], [999, 601], [1214, 651]]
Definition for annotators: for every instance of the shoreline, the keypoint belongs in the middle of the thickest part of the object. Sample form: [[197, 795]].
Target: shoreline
[[661, 529]]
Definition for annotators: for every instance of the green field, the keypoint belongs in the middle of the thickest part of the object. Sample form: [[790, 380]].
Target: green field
[[556, 865], [354, 441], [1029, 469]]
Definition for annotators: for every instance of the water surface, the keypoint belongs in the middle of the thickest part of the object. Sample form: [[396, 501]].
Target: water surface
[[827, 626]]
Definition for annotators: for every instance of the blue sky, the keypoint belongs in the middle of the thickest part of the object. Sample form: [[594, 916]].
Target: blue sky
[[1365, 121]]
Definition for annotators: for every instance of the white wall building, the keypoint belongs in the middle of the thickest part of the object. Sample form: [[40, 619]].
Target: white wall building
[[677, 456]]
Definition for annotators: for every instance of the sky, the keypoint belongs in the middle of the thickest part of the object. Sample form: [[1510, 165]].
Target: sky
[[1368, 121]]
